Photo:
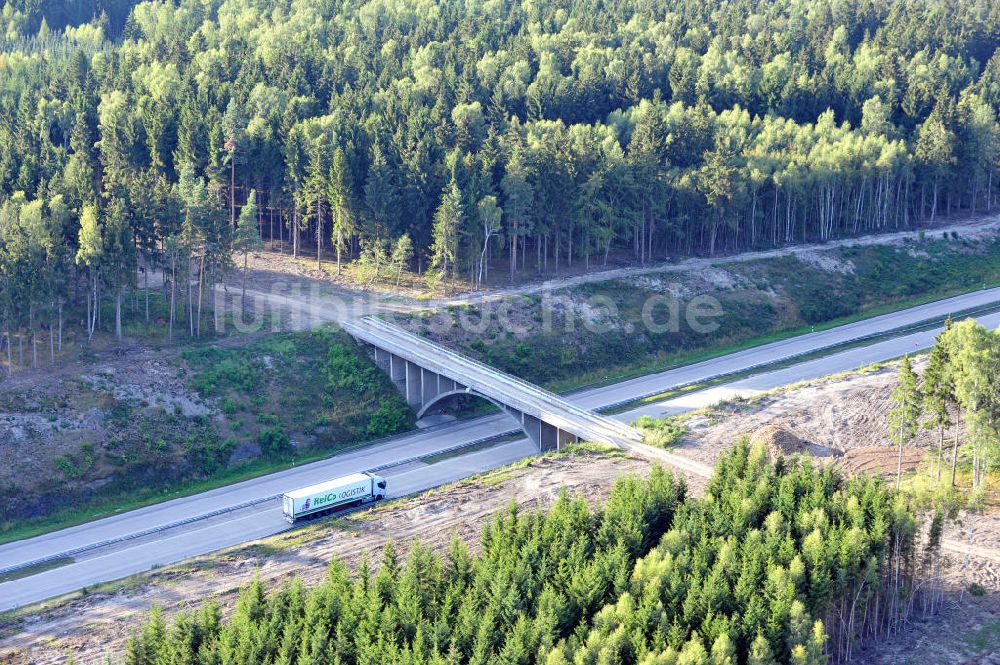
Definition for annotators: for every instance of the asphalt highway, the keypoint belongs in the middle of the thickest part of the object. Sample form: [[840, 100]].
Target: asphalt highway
[[171, 531]]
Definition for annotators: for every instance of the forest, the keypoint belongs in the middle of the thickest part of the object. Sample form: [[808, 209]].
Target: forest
[[780, 562], [957, 396], [456, 139]]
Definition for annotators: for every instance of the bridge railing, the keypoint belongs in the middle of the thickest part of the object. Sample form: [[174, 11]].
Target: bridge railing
[[375, 331]]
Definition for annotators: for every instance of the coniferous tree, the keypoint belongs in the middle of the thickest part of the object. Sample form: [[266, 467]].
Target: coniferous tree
[[447, 221], [904, 416], [939, 393], [91, 248], [247, 238], [341, 205]]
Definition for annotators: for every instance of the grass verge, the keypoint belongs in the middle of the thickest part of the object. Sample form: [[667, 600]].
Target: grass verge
[[35, 569], [682, 360]]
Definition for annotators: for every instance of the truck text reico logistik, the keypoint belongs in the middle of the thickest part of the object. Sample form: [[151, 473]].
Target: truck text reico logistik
[[322, 498]]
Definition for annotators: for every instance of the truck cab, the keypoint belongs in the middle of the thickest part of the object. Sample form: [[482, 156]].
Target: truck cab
[[378, 487]]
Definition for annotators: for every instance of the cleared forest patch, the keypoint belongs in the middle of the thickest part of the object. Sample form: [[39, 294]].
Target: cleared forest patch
[[842, 419], [117, 427]]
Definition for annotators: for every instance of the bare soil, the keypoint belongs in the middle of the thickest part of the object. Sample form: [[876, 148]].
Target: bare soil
[[98, 624], [841, 419], [966, 631], [64, 421], [273, 265]]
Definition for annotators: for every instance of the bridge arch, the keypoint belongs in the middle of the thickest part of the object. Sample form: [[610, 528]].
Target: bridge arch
[[437, 399], [544, 435], [427, 373]]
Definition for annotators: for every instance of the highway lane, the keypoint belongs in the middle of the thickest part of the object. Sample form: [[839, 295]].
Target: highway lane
[[816, 368], [443, 437], [415, 445], [652, 384], [245, 525]]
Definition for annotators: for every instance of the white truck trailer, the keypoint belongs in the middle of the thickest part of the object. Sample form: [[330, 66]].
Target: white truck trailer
[[322, 498]]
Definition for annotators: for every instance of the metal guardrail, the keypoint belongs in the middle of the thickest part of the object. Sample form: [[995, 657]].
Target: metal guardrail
[[247, 504], [239, 506]]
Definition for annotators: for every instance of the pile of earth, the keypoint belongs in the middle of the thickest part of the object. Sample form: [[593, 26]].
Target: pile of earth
[[779, 439]]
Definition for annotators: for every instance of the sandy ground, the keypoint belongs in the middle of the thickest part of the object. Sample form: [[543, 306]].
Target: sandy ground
[[966, 631], [842, 419], [98, 624], [272, 269]]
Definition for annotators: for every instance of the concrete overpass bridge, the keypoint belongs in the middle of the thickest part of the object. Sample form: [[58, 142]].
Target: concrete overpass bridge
[[427, 373]]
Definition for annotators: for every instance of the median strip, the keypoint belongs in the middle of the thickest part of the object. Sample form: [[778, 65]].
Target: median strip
[[68, 556]]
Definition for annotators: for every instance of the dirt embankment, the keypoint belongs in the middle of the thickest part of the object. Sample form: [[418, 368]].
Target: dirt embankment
[[98, 624], [80, 425], [843, 419]]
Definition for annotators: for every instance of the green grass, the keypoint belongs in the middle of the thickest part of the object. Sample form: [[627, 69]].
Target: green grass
[[12, 621], [237, 377], [661, 432], [315, 383], [929, 324], [986, 638], [35, 569], [74, 515]]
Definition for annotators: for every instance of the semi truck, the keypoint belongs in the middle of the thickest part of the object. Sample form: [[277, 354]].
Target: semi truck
[[332, 495]]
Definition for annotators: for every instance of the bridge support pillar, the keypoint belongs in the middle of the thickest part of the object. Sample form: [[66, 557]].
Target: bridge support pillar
[[383, 359], [413, 385], [564, 438], [428, 386], [549, 437], [532, 426], [397, 372], [405, 356]]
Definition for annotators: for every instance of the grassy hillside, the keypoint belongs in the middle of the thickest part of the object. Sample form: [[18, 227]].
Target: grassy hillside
[[119, 429], [597, 331]]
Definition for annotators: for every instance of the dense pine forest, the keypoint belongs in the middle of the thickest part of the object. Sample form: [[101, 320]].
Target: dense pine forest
[[453, 137], [781, 562]]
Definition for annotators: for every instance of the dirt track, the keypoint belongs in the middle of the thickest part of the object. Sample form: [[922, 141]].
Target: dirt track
[[269, 268]]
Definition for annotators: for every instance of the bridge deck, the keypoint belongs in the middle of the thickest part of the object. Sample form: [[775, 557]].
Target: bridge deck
[[487, 381]]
